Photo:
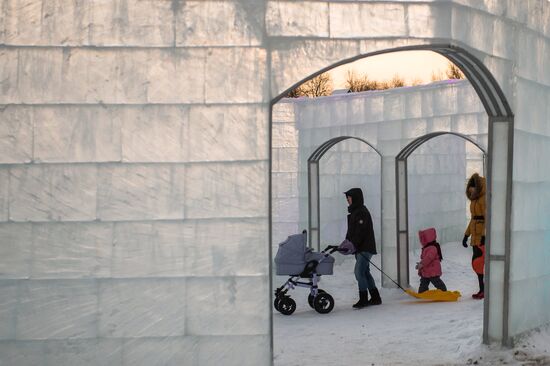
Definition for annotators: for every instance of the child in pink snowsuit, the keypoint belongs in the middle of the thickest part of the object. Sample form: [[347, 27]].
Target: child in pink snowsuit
[[429, 267]]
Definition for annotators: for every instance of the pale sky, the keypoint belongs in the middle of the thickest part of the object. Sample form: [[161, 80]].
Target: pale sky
[[409, 65]]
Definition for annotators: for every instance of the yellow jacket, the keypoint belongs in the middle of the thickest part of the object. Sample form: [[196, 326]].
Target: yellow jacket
[[476, 227]]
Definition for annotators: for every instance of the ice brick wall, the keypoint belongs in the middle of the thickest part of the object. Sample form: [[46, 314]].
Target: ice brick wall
[[285, 174], [530, 249], [134, 183], [93, 98], [437, 172]]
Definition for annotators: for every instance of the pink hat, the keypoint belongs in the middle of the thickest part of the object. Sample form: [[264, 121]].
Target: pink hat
[[427, 235]]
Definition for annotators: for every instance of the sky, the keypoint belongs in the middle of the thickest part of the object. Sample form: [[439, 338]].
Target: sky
[[409, 65]]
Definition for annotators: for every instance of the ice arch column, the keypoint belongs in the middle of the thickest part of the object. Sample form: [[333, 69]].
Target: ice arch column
[[499, 208], [389, 245]]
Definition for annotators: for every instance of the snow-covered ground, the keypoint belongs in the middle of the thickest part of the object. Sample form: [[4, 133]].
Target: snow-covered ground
[[403, 330]]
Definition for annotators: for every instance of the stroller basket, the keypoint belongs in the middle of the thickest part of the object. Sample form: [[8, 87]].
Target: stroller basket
[[293, 257]]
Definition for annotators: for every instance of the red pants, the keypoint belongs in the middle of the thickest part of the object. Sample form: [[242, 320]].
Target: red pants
[[478, 259]]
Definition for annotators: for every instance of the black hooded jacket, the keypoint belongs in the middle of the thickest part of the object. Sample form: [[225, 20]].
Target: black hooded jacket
[[360, 229]]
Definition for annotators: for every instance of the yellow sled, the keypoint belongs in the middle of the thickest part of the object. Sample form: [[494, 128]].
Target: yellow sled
[[431, 295], [435, 295]]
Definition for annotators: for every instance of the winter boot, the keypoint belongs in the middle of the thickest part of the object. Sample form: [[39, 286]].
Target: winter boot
[[479, 296], [375, 297], [363, 300]]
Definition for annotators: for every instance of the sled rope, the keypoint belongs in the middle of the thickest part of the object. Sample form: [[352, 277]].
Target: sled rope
[[391, 279]]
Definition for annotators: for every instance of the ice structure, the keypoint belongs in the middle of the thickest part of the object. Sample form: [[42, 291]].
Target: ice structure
[[135, 164]]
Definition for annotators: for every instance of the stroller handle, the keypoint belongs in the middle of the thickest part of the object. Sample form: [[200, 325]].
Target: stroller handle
[[331, 249]]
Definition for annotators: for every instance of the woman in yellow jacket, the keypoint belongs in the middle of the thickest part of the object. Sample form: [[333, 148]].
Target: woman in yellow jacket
[[475, 191]]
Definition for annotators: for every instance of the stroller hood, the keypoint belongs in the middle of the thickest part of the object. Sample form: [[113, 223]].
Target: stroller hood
[[292, 250], [293, 256]]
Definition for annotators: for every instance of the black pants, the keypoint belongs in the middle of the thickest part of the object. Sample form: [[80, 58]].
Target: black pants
[[481, 284], [436, 281]]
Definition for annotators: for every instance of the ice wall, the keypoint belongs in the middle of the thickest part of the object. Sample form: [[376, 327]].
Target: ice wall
[[436, 183], [134, 183], [285, 196], [530, 249]]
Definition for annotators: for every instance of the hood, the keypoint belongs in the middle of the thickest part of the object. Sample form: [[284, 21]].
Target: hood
[[427, 236], [478, 183], [357, 200]]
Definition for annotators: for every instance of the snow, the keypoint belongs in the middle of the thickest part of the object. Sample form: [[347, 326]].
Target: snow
[[403, 330]]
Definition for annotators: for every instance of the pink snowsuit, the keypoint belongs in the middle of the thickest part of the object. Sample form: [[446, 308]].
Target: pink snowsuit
[[430, 263]]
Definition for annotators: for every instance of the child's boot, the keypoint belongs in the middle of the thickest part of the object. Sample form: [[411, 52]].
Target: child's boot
[[479, 296]]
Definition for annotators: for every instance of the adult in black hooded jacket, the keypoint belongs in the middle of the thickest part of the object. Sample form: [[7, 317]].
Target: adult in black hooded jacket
[[361, 234]]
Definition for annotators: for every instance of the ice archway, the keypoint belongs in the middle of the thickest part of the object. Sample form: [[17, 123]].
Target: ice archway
[[499, 180], [313, 197], [401, 189]]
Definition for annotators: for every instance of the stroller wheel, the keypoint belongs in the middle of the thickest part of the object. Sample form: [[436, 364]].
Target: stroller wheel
[[310, 298], [276, 303], [323, 303], [286, 306]]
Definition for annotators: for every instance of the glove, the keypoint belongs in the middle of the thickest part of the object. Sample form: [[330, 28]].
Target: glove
[[483, 240], [465, 241], [346, 247]]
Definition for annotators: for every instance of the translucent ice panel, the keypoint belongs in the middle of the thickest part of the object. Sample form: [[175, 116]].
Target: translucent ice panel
[[64, 250], [57, 309], [437, 173], [57, 192], [496, 294], [158, 311], [16, 244], [227, 306]]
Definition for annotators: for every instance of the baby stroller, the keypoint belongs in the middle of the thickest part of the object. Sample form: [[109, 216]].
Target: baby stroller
[[298, 261]]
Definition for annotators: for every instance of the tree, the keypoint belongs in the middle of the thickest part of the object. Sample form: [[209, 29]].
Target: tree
[[362, 83], [397, 81], [319, 86], [416, 82], [294, 93], [356, 83], [453, 72]]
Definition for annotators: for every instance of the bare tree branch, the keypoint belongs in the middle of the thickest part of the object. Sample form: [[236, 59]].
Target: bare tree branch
[[319, 86], [356, 83], [453, 72], [362, 83]]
